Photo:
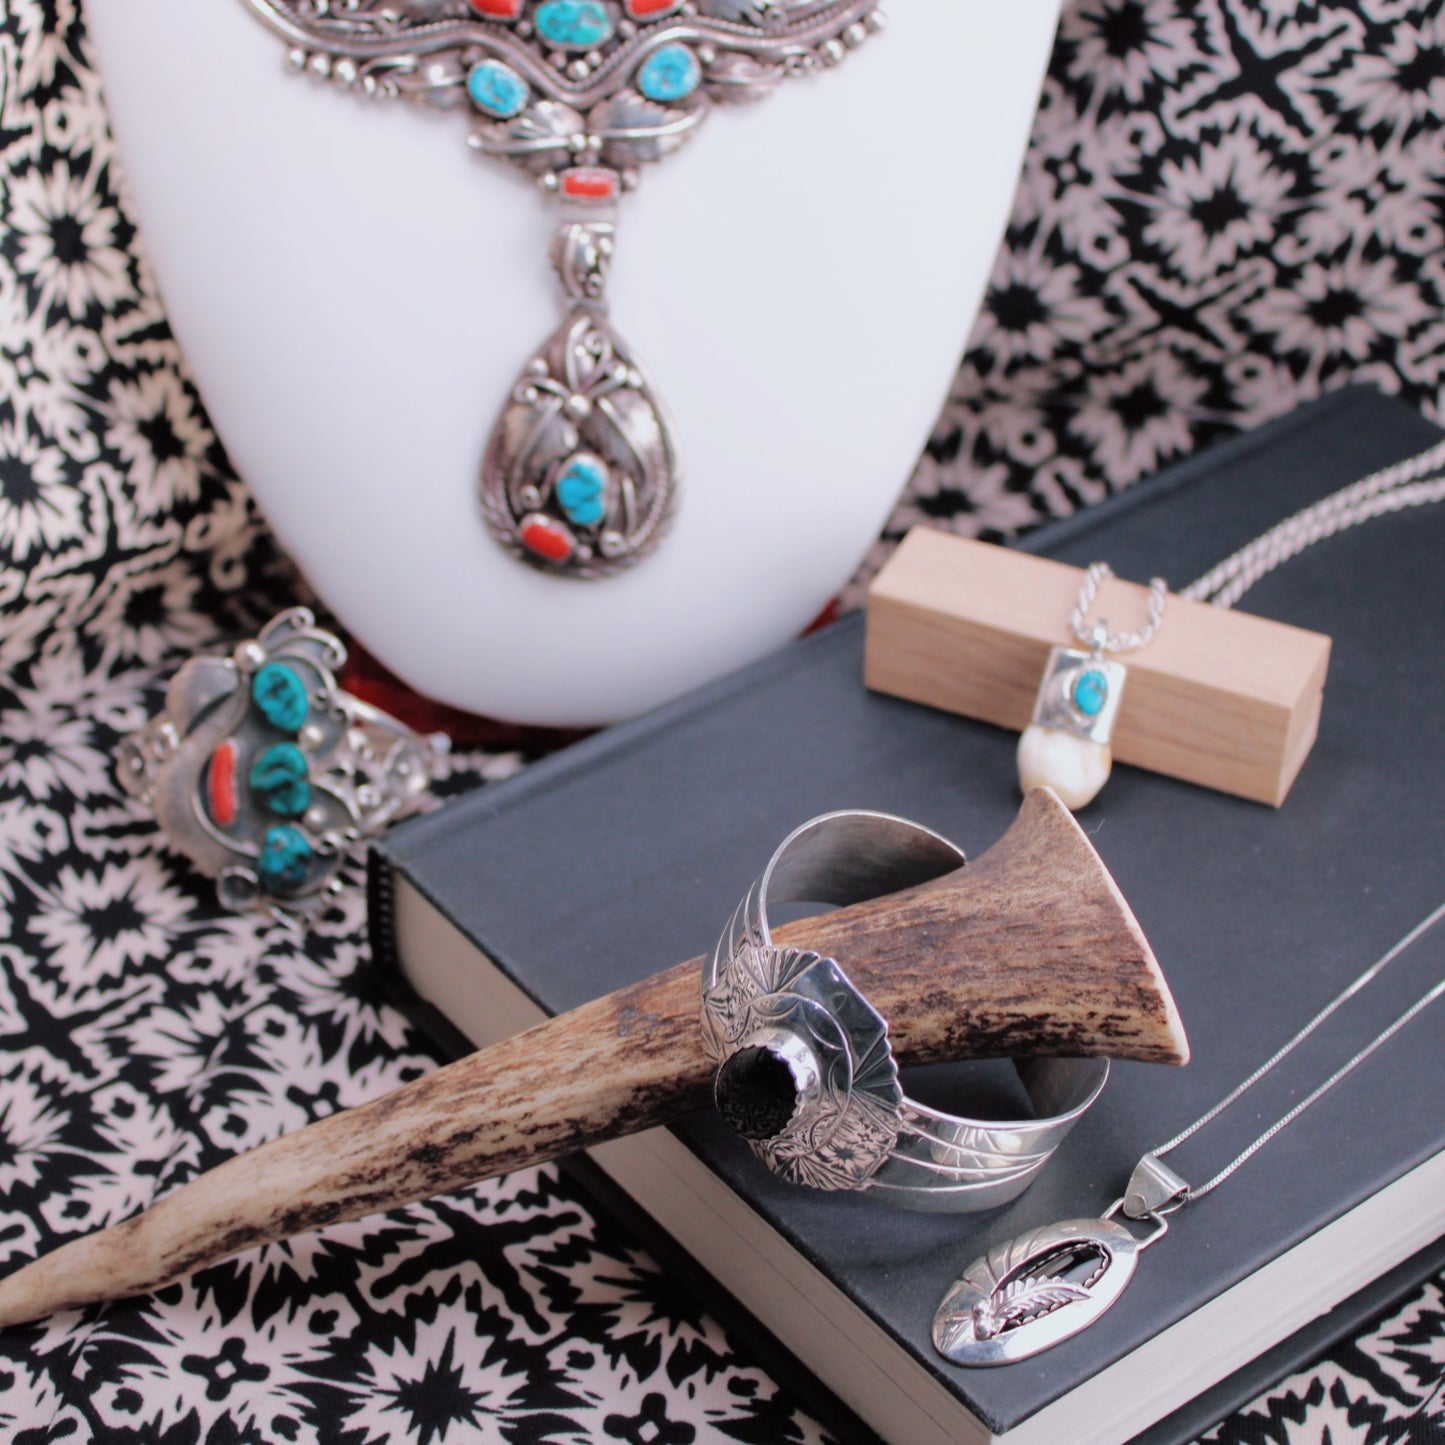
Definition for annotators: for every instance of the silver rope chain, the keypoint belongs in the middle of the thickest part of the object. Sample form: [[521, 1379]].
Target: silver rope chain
[[1098, 637], [1411, 483], [1415, 482]]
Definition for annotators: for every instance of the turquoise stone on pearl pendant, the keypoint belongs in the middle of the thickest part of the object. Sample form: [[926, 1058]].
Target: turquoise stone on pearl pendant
[[1067, 746]]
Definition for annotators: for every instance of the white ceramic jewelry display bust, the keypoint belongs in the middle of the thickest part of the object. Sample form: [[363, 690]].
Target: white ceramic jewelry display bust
[[356, 292]]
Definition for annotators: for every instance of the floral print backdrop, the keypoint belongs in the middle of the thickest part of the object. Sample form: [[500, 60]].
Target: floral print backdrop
[[1228, 207]]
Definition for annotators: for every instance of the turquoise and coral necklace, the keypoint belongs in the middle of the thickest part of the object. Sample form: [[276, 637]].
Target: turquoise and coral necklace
[[581, 472]]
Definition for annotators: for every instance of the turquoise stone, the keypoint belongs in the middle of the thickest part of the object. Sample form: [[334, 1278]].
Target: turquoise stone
[[285, 861], [279, 779], [670, 73], [498, 90], [1091, 692], [580, 492], [281, 695], [573, 24]]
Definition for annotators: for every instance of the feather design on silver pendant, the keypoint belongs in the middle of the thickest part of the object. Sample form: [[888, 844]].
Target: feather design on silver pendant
[[1031, 1292]]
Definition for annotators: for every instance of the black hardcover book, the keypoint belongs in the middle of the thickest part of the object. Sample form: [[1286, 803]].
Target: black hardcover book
[[626, 853]]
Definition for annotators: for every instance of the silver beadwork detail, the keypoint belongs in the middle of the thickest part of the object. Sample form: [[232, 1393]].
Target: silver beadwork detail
[[582, 256], [581, 415], [425, 50]]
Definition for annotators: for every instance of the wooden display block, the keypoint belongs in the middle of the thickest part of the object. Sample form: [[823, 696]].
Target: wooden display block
[[1221, 698]]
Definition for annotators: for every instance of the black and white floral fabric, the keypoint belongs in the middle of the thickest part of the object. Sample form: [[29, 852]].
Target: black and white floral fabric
[[1229, 206], [1227, 209]]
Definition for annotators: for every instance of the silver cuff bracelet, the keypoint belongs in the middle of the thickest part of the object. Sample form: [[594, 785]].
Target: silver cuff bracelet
[[264, 772], [805, 1071]]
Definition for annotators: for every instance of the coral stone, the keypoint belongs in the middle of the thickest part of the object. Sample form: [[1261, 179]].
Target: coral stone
[[221, 785], [589, 183], [546, 539]]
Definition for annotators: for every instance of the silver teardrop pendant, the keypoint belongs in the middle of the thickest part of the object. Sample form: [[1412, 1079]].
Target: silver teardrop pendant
[[1034, 1291], [581, 471]]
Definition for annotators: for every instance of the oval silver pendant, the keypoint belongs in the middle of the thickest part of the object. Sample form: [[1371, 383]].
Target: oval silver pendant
[[581, 470], [1034, 1291]]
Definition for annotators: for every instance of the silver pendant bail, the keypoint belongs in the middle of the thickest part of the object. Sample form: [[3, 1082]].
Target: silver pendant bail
[[1154, 1189], [582, 255]]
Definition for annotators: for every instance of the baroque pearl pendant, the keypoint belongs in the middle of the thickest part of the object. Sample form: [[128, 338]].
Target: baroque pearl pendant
[[1067, 745], [1074, 767]]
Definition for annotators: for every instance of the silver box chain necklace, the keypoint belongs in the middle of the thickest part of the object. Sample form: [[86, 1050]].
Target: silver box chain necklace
[[581, 473], [1043, 1287]]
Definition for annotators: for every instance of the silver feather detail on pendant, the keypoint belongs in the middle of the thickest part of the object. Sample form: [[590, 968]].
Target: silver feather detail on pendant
[[1034, 1291]]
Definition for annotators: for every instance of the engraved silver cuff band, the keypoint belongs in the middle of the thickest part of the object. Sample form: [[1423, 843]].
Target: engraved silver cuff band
[[264, 773], [805, 1071]]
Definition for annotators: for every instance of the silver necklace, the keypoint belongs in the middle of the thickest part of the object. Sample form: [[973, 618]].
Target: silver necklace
[[1067, 744], [581, 472], [1043, 1287]]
